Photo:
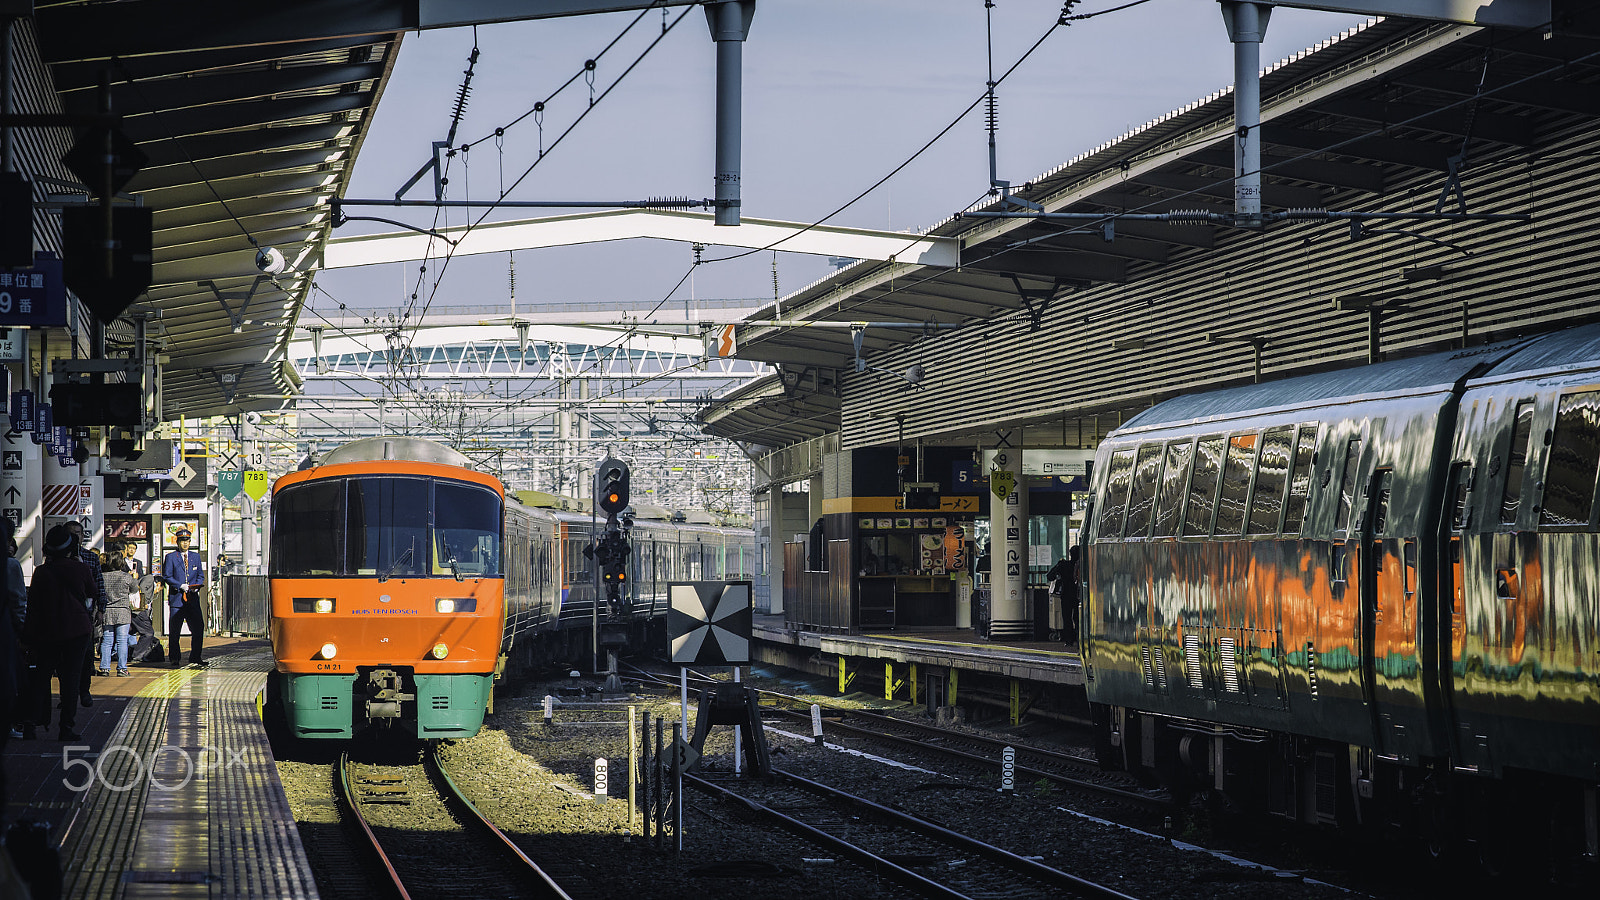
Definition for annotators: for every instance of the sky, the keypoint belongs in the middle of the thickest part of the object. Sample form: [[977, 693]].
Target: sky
[[837, 94]]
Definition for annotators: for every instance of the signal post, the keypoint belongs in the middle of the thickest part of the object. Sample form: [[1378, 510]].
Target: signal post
[[610, 552]]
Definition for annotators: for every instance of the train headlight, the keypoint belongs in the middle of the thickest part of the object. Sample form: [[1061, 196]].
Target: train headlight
[[314, 604], [445, 605], [324, 605], [329, 651], [440, 651]]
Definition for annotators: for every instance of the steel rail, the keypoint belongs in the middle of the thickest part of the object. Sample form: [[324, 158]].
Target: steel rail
[[892, 871], [347, 794], [1005, 857], [992, 763], [542, 879], [1105, 790]]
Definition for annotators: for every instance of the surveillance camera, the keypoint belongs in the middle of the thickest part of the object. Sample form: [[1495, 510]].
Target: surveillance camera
[[252, 417], [914, 374], [270, 261]]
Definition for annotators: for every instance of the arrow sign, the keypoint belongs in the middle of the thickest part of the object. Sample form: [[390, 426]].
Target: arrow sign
[[12, 493], [229, 483], [11, 435]]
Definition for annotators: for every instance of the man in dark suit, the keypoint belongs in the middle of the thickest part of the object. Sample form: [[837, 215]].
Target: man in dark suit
[[184, 571], [130, 561]]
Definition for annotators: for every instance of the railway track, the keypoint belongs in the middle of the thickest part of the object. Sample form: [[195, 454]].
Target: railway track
[[1032, 763], [919, 855], [429, 838]]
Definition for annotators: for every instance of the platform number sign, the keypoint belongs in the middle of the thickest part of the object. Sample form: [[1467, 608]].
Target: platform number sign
[[710, 623]]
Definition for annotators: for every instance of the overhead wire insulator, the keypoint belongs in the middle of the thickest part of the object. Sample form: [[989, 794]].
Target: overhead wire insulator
[[991, 112], [1190, 217], [1301, 213], [463, 94], [669, 203]]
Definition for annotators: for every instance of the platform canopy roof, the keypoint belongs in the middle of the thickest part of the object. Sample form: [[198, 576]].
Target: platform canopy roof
[[1343, 123], [249, 118]]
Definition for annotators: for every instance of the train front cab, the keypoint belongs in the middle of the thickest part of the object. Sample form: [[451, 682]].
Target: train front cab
[[387, 600]]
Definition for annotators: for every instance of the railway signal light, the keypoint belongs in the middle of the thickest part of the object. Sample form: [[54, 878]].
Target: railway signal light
[[611, 486], [613, 553]]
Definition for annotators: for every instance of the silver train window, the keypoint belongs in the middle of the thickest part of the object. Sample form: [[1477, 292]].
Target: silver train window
[[1203, 486], [1516, 462], [1574, 461], [1236, 471]]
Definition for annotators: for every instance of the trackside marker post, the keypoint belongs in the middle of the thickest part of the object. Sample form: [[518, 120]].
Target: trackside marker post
[[816, 724], [1008, 769], [601, 780], [549, 710]]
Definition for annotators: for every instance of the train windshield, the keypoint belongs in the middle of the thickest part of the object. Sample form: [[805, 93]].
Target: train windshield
[[388, 527]]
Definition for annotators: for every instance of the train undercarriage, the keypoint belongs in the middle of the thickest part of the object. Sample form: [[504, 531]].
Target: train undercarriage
[[1449, 814]]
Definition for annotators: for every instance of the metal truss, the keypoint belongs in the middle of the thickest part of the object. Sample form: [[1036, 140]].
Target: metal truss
[[538, 412]]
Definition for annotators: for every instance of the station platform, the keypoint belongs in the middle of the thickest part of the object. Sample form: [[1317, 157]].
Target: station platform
[[173, 790], [1050, 662]]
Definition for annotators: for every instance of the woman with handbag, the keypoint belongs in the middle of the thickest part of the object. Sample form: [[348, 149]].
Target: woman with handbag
[[122, 590]]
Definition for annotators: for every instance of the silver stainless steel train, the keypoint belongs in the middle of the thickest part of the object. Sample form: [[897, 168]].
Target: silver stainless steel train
[[1367, 597]]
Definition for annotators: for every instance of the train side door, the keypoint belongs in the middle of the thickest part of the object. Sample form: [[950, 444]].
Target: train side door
[[1379, 571]]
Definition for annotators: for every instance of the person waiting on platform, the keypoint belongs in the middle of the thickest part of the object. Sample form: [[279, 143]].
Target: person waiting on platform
[[57, 630], [91, 560], [1064, 582], [121, 587], [185, 574]]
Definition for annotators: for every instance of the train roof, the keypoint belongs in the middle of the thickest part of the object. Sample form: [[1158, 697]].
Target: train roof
[[1432, 373], [397, 447], [1573, 348]]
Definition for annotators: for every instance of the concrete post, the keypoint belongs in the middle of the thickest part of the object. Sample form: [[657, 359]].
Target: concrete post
[[1008, 536]]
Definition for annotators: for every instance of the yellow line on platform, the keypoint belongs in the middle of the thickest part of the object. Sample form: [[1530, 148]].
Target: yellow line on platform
[[170, 683], [948, 643]]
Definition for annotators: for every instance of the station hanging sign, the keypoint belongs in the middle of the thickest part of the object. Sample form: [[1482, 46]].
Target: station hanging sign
[[35, 295], [41, 423], [22, 410]]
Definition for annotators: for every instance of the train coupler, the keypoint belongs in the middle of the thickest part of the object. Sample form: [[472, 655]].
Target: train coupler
[[385, 694]]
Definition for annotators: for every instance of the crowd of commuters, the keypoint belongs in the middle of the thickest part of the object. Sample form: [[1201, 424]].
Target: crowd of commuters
[[77, 603]]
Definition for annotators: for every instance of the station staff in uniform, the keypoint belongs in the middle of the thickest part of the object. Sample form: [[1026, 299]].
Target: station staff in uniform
[[185, 574]]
